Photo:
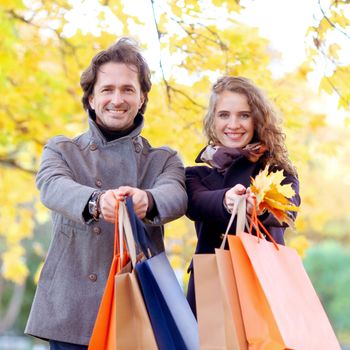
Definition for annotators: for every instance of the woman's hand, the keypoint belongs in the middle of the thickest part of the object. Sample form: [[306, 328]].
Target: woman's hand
[[251, 199], [239, 190], [231, 195]]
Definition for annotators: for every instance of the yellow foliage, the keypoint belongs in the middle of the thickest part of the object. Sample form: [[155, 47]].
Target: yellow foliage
[[176, 249], [39, 79], [13, 264], [38, 272], [300, 244], [176, 262], [41, 212], [11, 4]]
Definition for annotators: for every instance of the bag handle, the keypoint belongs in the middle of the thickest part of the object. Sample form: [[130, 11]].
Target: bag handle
[[126, 231], [239, 210], [116, 247], [141, 236], [122, 230], [256, 223]]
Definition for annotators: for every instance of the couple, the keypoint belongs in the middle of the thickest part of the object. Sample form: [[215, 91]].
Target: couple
[[80, 178]]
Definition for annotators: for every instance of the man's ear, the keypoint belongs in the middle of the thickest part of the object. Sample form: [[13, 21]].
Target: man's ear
[[92, 101], [142, 100]]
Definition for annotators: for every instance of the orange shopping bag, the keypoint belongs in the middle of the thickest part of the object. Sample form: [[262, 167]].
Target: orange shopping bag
[[280, 307], [104, 332]]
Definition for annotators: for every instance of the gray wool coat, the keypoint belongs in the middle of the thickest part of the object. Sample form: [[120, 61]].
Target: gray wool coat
[[79, 257]]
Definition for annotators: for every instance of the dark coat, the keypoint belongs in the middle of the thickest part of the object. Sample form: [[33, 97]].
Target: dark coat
[[206, 189]]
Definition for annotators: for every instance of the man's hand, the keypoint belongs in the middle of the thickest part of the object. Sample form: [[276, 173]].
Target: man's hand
[[107, 206], [139, 199]]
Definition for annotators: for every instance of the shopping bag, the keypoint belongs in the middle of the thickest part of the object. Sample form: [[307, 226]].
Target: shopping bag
[[218, 310], [280, 307], [133, 327], [104, 331], [173, 322], [219, 316]]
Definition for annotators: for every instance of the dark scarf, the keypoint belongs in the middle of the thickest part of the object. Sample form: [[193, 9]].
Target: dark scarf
[[221, 158]]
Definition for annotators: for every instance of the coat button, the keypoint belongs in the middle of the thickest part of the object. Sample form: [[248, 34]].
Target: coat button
[[93, 277], [93, 147], [98, 183], [97, 230], [138, 148]]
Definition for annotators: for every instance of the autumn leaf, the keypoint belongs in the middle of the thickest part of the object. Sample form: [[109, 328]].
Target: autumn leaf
[[272, 196]]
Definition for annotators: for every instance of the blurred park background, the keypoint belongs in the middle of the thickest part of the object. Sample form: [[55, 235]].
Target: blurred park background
[[297, 51]]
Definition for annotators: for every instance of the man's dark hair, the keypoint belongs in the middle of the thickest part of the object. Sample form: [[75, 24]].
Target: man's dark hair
[[126, 51]]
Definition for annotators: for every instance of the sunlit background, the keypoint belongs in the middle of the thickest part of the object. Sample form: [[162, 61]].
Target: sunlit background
[[297, 51]]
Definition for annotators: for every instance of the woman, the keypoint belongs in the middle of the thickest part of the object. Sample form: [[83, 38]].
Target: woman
[[243, 137]]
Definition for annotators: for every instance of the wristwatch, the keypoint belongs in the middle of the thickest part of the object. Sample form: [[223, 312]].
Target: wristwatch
[[94, 207]]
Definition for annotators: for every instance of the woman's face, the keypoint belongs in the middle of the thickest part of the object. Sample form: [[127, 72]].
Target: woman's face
[[233, 122]]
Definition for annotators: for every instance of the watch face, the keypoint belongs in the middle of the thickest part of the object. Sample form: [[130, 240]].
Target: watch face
[[93, 205]]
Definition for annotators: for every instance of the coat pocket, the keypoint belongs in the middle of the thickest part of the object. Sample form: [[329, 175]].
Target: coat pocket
[[56, 250]]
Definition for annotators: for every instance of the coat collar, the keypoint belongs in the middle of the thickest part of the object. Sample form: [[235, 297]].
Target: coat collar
[[240, 171]]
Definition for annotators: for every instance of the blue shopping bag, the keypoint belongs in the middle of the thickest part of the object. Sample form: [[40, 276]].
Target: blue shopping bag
[[142, 239], [173, 322]]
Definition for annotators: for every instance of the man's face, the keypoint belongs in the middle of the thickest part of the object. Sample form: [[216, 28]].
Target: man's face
[[117, 96]]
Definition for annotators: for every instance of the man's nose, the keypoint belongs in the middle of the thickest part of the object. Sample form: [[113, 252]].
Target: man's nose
[[117, 97]]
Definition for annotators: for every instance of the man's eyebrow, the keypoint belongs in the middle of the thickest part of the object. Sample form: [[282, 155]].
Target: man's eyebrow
[[106, 85], [129, 85]]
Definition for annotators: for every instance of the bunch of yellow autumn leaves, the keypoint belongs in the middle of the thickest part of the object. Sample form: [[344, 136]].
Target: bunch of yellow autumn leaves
[[272, 196]]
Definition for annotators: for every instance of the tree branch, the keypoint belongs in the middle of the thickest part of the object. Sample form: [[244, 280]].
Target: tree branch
[[330, 22], [187, 97], [11, 163], [14, 307], [337, 91], [160, 53]]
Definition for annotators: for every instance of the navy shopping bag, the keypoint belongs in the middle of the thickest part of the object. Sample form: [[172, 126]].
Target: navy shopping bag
[[173, 322]]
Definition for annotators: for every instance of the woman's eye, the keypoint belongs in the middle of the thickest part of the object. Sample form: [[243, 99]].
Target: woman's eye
[[245, 116], [223, 115]]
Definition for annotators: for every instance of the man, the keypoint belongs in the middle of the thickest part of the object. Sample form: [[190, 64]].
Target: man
[[80, 179]]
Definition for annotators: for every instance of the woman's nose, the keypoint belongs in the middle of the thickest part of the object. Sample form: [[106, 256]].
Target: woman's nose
[[233, 122]]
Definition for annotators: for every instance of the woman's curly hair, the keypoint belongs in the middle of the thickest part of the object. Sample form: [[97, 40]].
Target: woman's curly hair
[[267, 125]]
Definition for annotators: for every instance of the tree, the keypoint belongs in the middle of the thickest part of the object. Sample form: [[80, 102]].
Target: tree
[[329, 48], [43, 56]]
